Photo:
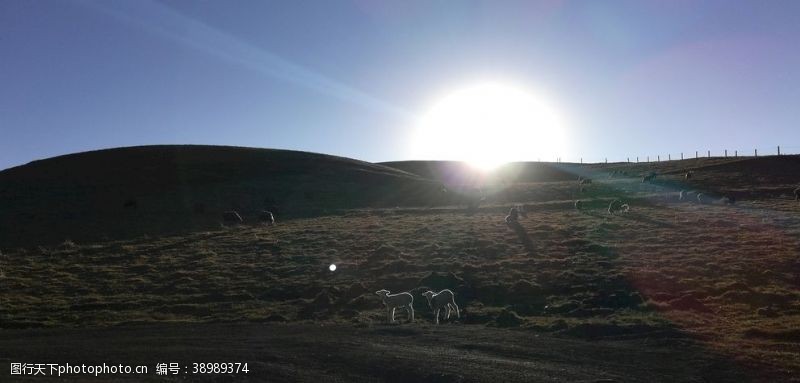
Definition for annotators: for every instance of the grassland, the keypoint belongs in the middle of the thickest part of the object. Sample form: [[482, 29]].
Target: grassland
[[724, 278]]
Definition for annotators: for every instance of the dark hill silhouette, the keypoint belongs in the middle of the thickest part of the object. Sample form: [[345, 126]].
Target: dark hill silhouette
[[157, 190], [154, 190]]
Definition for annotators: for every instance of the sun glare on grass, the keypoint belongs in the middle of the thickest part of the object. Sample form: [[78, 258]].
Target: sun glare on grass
[[487, 125]]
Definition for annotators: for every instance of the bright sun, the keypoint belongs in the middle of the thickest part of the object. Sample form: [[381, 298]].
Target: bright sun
[[489, 124]]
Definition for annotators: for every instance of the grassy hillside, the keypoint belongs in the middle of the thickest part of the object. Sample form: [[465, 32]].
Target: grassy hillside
[[724, 276], [743, 177], [159, 190], [153, 190]]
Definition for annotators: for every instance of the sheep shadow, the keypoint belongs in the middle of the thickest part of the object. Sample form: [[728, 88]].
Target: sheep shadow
[[523, 236], [592, 214], [633, 216]]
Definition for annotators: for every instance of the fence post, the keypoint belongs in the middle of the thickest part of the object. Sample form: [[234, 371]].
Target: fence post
[[658, 158], [726, 153], [779, 150], [695, 154], [637, 159], [736, 153], [681, 155], [606, 159], [581, 159], [669, 157], [648, 159], [755, 151], [629, 160], [709, 154]]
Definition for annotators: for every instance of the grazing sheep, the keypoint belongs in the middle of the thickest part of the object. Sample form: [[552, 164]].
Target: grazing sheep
[[689, 195], [615, 206], [266, 217], [578, 204], [232, 216], [443, 299], [512, 216], [395, 301]]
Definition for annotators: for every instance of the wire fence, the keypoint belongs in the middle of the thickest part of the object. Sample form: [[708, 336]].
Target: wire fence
[[778, 150]]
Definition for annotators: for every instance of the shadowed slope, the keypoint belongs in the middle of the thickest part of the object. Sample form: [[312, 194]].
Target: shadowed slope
[[125, 192]]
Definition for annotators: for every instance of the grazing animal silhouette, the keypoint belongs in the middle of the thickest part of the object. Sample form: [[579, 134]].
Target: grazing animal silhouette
[[232, 216], [443, 299], [396, 301], [616, 206], [689, 195], [512, 216], [266, 217]]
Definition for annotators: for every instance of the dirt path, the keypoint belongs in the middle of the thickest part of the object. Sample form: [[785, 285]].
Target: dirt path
[[343, 353]]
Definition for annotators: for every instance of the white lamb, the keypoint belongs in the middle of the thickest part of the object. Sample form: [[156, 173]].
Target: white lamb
[[437, 301], [394, 301]]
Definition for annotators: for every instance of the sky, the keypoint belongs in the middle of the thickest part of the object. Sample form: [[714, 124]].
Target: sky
[[352, 78]]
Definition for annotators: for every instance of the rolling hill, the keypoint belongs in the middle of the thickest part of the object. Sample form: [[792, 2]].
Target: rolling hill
[[154, 190], [705, 291], [158, 190]]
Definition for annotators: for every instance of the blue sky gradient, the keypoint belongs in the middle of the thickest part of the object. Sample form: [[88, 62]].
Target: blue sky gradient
[[634, 78]]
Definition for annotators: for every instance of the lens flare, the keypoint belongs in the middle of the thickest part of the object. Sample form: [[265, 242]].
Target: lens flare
[[489, 124]]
